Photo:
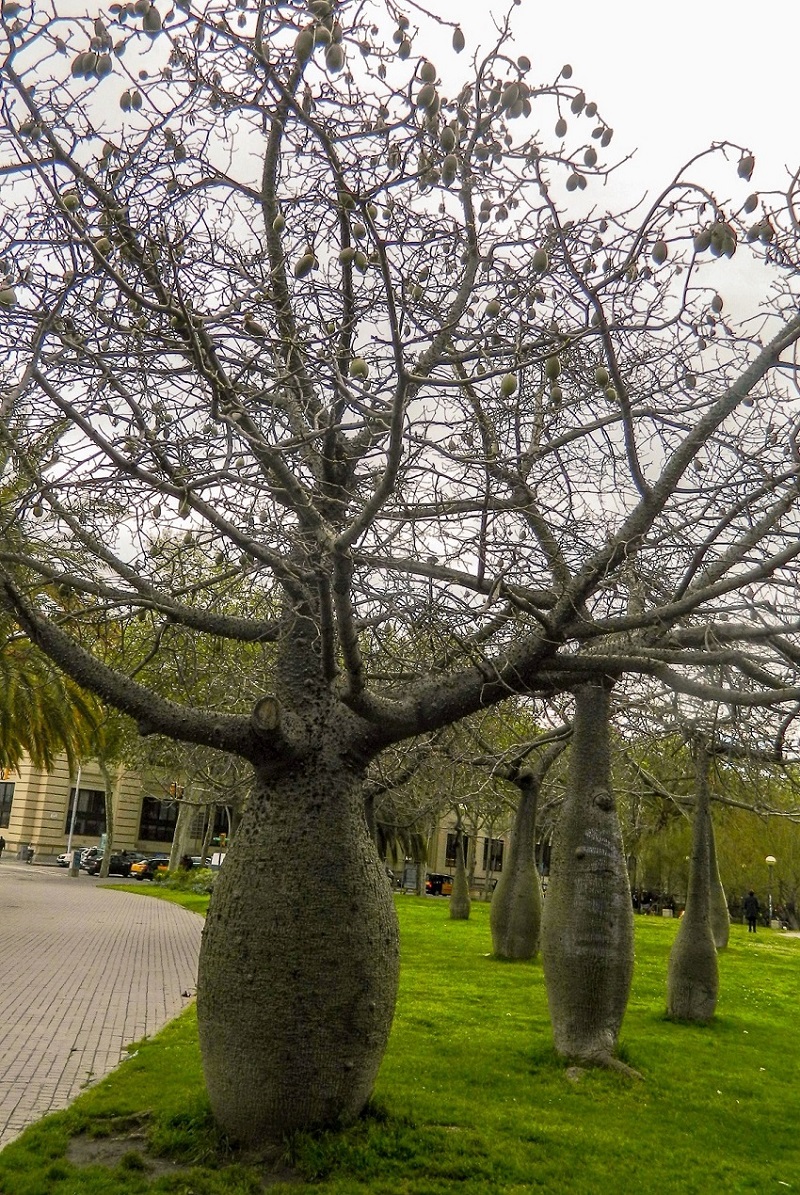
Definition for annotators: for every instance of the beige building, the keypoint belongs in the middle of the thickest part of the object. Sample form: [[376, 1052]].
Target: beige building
[[42, 810]]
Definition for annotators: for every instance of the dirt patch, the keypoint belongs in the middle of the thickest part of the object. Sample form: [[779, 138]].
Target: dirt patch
[[130, 1150], [110, 1151]]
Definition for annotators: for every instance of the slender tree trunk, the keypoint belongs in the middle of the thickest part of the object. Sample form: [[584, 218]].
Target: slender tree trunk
[[205, 849], [460, 903], [186, 811], [587, 922], [516, 912], [299, 961], [718, 901], [692, 973], [110, 798]]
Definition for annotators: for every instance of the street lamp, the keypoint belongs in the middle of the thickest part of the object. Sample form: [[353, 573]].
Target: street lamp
[[770, 862]]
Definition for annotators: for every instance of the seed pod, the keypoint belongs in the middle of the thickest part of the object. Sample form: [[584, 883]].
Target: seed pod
[[540, 260], [347, 254], [493, 308], [716, 304], [459, 41], [447, 139], [359, 230], [745, 168], [304, 265], [578, 103], [751, 203], [279, 223], [334, 58], [524, 63], [70, 200], [601, 377], [552, 368], [104, 66], [508, 385], [449, 169], [8, 297], [404, 49], [427, 71], [590, 156], [359, 368], [566, 71], [702, 240], [556, 395], [151, 22], [304, 45], [322, 36], [509, 96], [426, 95], [611, 394], [561, 127], [659, 252]]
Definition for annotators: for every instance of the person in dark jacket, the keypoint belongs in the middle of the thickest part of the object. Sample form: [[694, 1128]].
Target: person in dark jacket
[[751, 908]]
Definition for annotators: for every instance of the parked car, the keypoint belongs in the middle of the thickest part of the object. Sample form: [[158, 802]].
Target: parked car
[[438, 885], [119, 865], [148, 868]]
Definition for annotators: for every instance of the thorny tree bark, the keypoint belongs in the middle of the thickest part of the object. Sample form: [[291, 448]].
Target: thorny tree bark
[[516, 912], [460, 902], [587, 925], [693, 974]]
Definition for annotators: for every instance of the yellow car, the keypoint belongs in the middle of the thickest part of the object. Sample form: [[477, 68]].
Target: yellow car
[[147, 869]]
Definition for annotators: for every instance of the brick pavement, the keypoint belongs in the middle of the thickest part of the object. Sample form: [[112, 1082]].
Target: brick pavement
[[84, 971]]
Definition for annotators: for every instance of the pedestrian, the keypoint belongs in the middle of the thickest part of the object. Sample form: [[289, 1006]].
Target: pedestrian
[[2, 845], [751, 909]]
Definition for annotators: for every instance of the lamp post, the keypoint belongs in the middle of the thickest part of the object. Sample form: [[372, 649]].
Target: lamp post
[[770, 862]]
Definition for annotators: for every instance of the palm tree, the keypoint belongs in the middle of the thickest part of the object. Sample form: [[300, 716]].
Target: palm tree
[[42, 713]]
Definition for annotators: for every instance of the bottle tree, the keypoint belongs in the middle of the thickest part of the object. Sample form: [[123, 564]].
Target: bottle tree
[[317, 294]]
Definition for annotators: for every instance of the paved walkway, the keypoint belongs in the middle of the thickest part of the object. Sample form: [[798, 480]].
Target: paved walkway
[[84, 971]]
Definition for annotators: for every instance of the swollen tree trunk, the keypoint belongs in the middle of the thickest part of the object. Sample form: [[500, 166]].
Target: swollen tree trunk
[[516, 912], [692, 973], [587, 923], [718, 901], [460, 903], [299, 961]]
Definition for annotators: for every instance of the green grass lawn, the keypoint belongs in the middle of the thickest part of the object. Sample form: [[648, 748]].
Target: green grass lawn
[[471, 1097]]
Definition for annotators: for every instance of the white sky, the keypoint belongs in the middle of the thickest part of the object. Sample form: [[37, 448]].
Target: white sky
[[669, 77]]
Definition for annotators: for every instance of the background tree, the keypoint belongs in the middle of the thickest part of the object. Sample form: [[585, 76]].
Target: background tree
[[366, 347], [693, 973], [587, 926]]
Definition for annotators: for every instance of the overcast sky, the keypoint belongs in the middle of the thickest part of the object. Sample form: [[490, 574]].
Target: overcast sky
[[669, 77]]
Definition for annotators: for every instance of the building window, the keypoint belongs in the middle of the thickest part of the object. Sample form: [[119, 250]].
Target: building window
[[493, 854], [90, 813], [450, 850], [158, 820], [6, 799]]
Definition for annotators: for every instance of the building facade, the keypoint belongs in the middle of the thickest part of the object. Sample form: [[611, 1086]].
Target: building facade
[[43, 811]]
